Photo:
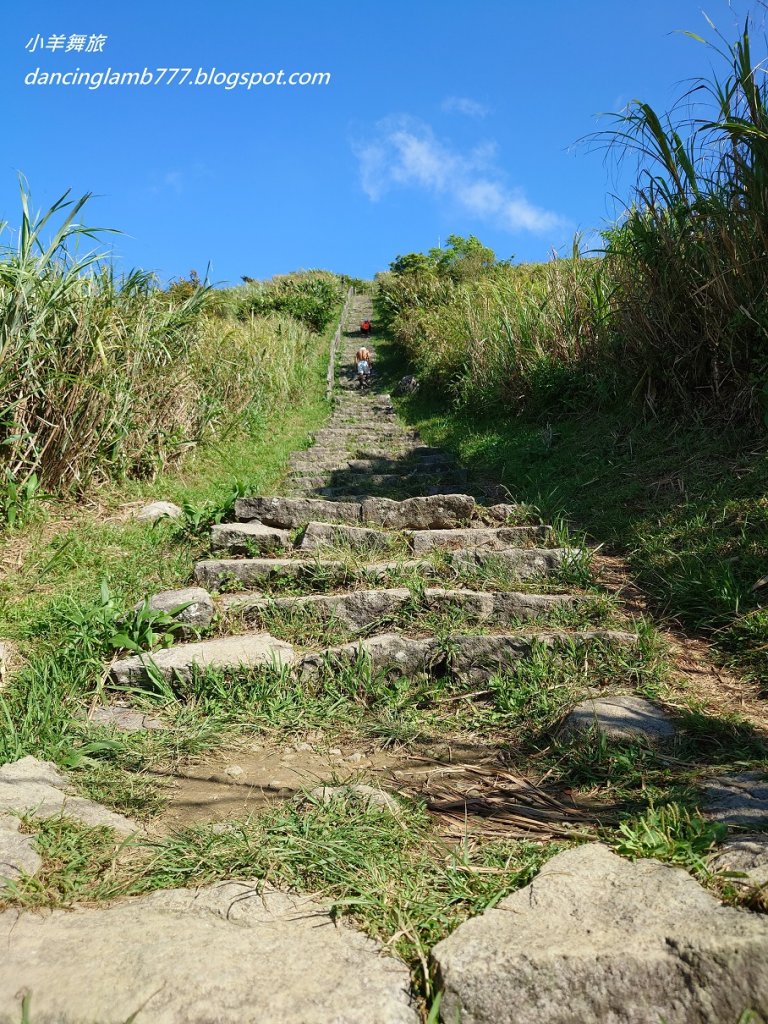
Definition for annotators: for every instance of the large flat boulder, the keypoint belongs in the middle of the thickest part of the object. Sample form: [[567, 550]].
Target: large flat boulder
[[622, 717], [228, 953], [251, 650], [29, 786], [598, 938]]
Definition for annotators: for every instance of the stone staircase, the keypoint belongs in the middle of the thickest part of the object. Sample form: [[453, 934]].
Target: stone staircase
[[368, 511]]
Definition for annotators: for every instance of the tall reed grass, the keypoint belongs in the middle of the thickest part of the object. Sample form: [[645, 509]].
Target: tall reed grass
[[106, 376], [690, 261], [510, 336], [676, 310]]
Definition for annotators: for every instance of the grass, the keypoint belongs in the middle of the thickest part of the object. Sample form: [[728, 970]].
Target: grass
[[627, 394], [109, 377], [492, 572], [390, 874], [681, 501], [53, 605], [518, 707], [673, 834], [671, 317], [684, 506], [310, 625]]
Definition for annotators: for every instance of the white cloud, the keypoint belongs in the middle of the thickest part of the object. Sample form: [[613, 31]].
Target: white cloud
[[178, 180], [464, 105], [406, 153]]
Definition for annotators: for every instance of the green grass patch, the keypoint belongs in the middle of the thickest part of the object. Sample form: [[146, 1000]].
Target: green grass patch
[[389, 874], [685, 504]]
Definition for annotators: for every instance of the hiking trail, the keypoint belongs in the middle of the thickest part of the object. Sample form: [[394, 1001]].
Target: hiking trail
[[416, 571]]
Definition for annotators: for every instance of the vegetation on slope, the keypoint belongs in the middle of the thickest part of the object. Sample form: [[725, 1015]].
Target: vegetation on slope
[[628, 392], [105, 376]]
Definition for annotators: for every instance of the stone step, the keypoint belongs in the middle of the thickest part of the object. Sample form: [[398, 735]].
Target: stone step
[[356, 451], [360, 608], [255, 572], [231, 952], [380, 464], [362, 422], [471, 657], [340, 478], [597, 937], [418, 513], [368, 433], [364, 413], [289, 513], [361, 443], [378, 400], [355, 610], [248, 538], [522, 563], [406, 489], [417, 451], [38, 789], [229, 652], [319, 534], [490, 538]]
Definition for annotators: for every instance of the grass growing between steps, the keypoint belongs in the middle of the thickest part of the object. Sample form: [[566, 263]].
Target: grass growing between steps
[[514, 714], [310, 627], [73, 570], [314, 576], [686, 504]]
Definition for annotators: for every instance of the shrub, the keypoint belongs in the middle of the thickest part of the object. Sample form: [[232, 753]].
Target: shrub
[[312, 298]]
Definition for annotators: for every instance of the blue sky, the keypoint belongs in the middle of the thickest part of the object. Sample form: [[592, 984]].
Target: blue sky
[[441, 117]]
